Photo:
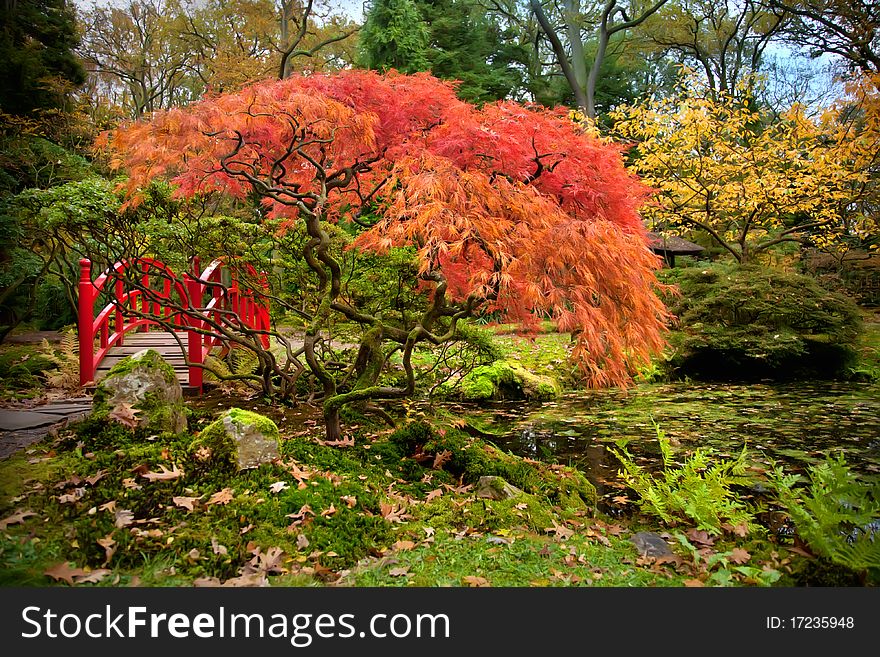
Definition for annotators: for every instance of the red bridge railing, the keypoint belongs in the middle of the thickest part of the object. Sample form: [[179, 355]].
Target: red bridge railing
[[163, 298]]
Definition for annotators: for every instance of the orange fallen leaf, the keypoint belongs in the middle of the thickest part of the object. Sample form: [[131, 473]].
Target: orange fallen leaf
[[221, 497], [474, 581]]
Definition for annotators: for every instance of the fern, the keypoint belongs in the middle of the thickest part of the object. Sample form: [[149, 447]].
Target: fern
[[697, 491], [66, 360], [238, 362], [837, 514]]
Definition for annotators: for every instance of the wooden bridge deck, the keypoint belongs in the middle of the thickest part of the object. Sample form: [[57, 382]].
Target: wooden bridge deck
[[161, 341]]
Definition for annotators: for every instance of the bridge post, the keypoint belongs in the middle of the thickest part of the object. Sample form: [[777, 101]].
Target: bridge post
[[85, 323], [195, 291], [263, 310]]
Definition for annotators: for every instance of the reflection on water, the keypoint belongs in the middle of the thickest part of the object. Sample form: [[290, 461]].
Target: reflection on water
[[794, 423]]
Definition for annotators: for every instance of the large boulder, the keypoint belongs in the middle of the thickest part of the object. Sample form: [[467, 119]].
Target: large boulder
[[142, 391], [237, 438]]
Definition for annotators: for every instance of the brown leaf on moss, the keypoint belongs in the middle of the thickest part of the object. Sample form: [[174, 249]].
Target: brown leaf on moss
[[125, 414], [63, 572], [441, 459], [221, 497], [16, 518], [474, 581], [738, 555], [185, 502], [165, 475], [109, 545]]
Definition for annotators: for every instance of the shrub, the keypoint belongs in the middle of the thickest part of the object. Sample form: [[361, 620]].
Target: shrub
[[751, 322]]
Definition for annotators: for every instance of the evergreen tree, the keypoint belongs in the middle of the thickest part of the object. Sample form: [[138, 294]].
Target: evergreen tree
[[453, 39], [37, 62], [394, 36]]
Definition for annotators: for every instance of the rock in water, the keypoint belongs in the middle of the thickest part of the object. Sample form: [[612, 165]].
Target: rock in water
[[238, 437], [495, 488], [142, 391], [650, 544]]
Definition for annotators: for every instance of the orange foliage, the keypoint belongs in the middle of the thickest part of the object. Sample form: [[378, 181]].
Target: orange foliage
[[514, 207]]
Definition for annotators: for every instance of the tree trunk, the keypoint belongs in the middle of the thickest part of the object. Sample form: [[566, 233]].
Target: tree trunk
[[332, 425]]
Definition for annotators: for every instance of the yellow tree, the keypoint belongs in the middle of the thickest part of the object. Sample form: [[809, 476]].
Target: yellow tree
[[853, 126], [719, 167]]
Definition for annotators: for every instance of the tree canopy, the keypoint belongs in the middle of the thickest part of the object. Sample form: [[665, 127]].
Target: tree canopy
[[509, 209]]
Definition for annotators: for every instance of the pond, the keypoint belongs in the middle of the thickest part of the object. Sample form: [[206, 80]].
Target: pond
[[794, 423]]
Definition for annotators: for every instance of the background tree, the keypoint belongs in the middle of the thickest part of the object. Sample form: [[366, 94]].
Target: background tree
[[724, 41], [38, 67], [457, 40], [512, 210], [569, 29], [847, 28], [395, 36], [720, 169]]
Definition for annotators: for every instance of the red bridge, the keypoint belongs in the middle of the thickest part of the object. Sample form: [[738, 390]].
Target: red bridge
[[145, 294]]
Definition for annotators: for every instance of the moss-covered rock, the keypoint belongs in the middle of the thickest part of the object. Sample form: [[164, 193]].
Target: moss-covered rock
[[469, 459], [145, 388], [506, 380], [237, 439]]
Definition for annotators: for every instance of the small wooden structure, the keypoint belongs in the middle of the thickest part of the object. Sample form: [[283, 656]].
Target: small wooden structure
[[670, 246], [154, 296]]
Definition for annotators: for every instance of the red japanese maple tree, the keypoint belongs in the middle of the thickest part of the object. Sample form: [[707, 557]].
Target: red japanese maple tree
[[511, 209]]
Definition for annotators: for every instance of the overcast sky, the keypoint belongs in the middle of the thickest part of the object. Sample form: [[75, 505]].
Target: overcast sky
[[353, 8]]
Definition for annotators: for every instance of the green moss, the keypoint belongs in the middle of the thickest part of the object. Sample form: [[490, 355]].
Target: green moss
[[506, 380], [470, 458]]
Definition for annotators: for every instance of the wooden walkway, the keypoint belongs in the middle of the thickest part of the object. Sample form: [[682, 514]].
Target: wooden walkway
[[161, 341]]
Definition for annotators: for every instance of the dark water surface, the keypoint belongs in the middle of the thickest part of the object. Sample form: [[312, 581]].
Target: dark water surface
[[794, 423]]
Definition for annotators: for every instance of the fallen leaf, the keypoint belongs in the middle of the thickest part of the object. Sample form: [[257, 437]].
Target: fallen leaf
[[62, 571], [278, 486], [434, 494], [125, 414], [73, 496], [16, 518], [165, 475], [108, 506], [326, 513], [131, 484], [302, 542], [474, 581], [700, 537], [109, 546], [95, 478], [693, 583], [345, 442], [350, 501], [441, 459], [429, 531], [738, 555], [185, 502], [393, 512], [560, 531], [123, 518], [221, 497], [216, 548], [207, 581], [400, 571], [403, 545], [93, 577]]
